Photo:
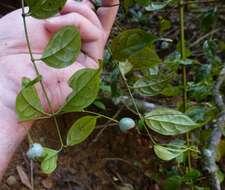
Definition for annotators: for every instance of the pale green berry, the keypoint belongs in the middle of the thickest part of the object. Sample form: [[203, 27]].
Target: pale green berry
[[207, 153], [35, 151], [126, 124]]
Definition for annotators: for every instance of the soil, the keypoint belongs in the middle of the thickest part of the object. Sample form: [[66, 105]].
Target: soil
[[112, 161]]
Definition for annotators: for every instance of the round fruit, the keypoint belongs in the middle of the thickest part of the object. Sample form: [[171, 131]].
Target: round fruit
[[207, 153], [35, 151], [126, 124]]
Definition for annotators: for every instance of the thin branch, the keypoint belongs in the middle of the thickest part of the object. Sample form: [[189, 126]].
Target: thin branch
[[217, 94], [200, 2], [38, 74], [106, 125], [196, 42], [184, 75], [210, 157]]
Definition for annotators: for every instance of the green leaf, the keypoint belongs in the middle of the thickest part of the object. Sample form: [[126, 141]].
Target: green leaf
[[135, 45], [127, 4], [173, 183], [42, 9], [49, 161], [200, 91], [168, 153], [192, 175], [81, 129], [179, 143], [125, 67], [63, 48], [186, 62], [208, 19], [26, 82], [85, 85], [165, 24], [201, 188], [152, 86], [143, 2], [220, 150], [171, 90], [210, 48], [187, 52], [155, 6], [220, 175], [145, 58], [169, 122], [28, 105], [99, 104]]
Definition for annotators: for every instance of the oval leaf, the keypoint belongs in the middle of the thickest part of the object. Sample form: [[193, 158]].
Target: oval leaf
[[169, 122], [28, 105], [63, 48], [49, 161], [42, 9], [152, 86], [155, 6], [167, 153], [145, 58], [135, 45], [81, 129], [85, 85]]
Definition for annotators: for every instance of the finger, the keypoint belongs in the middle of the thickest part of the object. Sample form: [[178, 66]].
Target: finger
[[108, 13], [88, 31], [83, 9]]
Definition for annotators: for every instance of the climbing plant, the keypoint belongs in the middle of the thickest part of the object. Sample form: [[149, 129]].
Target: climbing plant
[[138, 71]]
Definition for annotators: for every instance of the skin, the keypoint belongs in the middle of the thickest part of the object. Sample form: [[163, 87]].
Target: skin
[[94, 27]]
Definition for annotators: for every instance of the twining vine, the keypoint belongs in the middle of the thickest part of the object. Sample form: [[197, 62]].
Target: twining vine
[[28, 105], [133, 49]]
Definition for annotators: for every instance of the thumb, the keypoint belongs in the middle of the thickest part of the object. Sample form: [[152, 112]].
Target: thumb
[[107, 13]]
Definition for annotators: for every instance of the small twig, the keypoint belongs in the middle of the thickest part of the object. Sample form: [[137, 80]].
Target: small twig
[[32, 174], [217, 94], [210, 159], [200, 2], [101, 115], [116, 159], [107, 125], [142, 105], [196, 42], [221, 17]]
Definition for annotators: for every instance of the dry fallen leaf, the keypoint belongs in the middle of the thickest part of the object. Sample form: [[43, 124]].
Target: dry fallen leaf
[[23, 177]]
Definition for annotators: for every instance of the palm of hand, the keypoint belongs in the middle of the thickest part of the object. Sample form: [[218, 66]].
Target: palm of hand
[[16, 60]]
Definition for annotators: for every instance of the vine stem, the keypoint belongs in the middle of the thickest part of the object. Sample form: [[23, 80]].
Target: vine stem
[[101, 115], [33, 60], [184, 73], [136, 107], [30, 140]]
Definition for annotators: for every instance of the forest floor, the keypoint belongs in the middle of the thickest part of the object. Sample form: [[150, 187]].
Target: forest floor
[[111, 161]]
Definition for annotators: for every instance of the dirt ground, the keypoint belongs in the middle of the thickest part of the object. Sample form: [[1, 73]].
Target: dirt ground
[[112, 161]]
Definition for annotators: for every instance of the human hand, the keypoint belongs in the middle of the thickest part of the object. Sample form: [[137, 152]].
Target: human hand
[[94, 29], [15, 60]]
